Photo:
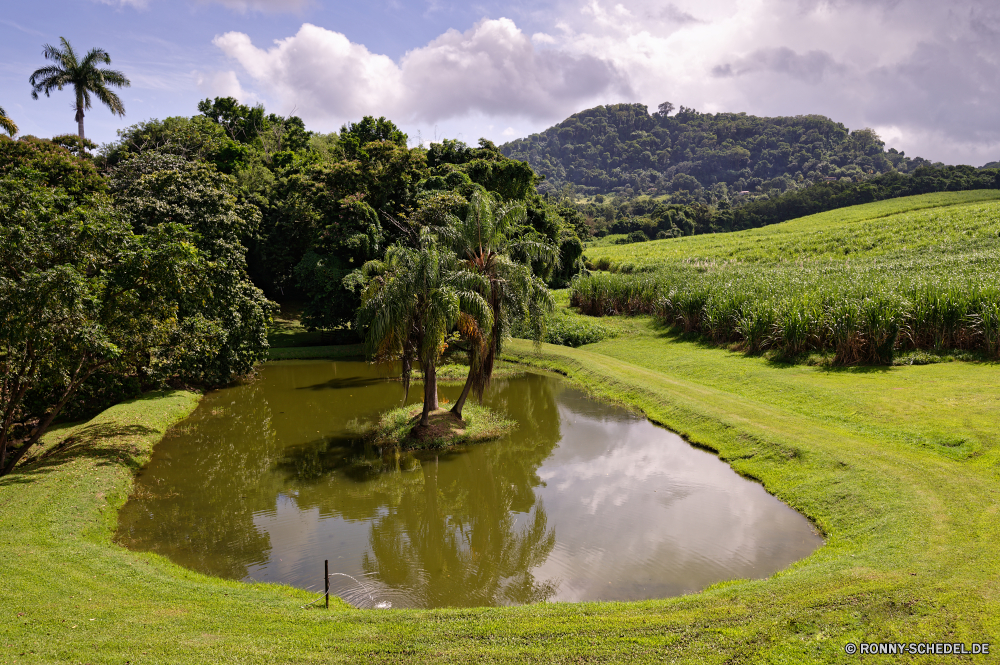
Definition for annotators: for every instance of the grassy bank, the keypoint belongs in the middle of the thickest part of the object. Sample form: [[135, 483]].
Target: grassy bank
[[898, 466]]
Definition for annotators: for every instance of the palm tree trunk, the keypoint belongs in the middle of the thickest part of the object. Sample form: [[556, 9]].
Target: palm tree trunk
[[430, 393], [460, 404], [79, 122]]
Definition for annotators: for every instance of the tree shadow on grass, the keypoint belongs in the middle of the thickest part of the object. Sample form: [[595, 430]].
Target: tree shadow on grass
[[105, 443], [674, 333]]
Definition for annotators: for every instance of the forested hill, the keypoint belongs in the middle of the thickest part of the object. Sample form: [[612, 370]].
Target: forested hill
[[622, 148]]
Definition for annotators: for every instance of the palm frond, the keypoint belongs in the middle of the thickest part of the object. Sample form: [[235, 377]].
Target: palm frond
[[6, 124]]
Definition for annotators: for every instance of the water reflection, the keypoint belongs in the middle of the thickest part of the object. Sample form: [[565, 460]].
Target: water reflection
[[583, 501]]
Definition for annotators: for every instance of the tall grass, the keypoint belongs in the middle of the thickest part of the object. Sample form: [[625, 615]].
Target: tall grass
[[935, 287]]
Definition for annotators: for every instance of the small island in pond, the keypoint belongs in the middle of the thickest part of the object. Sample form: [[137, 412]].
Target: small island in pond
[[401, 427]]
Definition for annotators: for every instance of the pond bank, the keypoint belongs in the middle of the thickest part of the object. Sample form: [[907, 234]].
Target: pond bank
[[899, 467]]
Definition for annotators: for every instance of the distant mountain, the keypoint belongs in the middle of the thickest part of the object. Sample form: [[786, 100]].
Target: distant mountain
[[692, 156]]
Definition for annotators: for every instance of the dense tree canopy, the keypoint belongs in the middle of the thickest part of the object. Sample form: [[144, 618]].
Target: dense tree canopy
[[622, 148], [81, 292]]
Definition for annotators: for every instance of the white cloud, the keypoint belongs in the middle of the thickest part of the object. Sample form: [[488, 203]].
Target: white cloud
[[510, 132], [224, 84], [924, 67], [491, 69]]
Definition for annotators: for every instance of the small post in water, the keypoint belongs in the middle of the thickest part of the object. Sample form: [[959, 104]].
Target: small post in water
[[326, 581]]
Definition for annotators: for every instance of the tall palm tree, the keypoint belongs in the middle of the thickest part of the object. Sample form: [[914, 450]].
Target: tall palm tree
[[486, 241], [6, 124], [411, 301], [84, 75]]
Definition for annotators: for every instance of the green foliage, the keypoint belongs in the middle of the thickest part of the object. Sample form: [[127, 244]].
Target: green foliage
[[6, 124], [194, 139], [355, 136], [862, 287], [79, 293], [486, 166], [77, 147], [228, 315], [411, 300], [486, 240], [833, 195], [54, 163], [240, 122], [84, 76], [622, 148], [568, 329]]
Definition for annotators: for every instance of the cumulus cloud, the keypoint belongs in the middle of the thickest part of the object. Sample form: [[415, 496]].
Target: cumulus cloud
[[925, 68], [491, 69], [224, 84]]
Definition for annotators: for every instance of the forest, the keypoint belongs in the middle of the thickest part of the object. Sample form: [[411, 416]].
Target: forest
[[160, 258], [646, 176]]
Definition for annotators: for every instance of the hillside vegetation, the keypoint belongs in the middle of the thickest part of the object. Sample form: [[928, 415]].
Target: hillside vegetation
[[862, 283], [623, 148]]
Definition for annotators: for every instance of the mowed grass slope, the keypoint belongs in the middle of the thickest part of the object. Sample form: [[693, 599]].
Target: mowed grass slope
[[941, 223], [899, 467]]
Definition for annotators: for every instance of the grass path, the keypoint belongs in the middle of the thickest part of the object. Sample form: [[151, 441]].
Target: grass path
[[898, 466]]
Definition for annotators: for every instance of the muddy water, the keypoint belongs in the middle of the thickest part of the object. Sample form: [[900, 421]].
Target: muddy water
[[584, 501]]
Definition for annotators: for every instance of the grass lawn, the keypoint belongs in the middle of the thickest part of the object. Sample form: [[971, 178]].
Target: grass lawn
[[899, 466]]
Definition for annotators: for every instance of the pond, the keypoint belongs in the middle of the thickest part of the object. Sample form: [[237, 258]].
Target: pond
[[583, 501]]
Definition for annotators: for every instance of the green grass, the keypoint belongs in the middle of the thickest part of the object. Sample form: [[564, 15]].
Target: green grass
[[864, 283], [478, 424], [287, 331], [898, 466], [919, 224]]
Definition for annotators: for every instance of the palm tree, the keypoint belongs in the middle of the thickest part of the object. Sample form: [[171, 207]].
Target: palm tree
[[486, 241], [411, 301], [6, 124], [83, 75]]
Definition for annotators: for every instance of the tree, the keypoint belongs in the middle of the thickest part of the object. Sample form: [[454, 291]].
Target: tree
[[241, 122], [485, 242], [411, 301], [79, 292], [229, 315], [54, 163], [83, 75], [6, 124]]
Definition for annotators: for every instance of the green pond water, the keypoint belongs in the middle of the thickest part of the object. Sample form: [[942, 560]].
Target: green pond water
[[583, 501]]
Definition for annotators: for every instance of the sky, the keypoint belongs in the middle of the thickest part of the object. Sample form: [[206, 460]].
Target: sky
[[925, 74]]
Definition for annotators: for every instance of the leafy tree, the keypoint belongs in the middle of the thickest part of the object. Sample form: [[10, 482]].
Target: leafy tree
[[194, 139], [484, 242], [75, 145], [411, 301], [6, 124], [354, 136], [83, 75], [55, 164], [157, 191], [241, 123], [79, 293]]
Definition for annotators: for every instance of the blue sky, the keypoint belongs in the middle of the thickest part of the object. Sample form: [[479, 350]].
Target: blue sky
[[924, 74]]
